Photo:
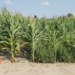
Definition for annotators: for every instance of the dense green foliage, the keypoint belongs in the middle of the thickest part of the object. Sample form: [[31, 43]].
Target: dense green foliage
[[48, 40]]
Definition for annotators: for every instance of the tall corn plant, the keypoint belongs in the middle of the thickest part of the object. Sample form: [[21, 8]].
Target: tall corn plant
[[52, 38], [11, 34], [33, 34]]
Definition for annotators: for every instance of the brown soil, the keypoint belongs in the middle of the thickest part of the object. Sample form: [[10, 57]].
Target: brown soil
[[22, 66]]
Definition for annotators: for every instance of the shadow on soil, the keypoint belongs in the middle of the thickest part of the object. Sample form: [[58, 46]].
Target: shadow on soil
[[21, 55]]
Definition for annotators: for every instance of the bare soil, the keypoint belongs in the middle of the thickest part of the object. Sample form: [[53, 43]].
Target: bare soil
[[23, 67]]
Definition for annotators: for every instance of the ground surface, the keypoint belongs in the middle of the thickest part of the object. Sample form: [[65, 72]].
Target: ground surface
[[23, 67]]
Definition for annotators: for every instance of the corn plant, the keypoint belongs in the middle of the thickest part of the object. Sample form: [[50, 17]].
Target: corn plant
[[33, 34], [11, 35]]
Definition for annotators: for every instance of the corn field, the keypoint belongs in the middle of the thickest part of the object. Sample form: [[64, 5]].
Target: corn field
[[49, 40]]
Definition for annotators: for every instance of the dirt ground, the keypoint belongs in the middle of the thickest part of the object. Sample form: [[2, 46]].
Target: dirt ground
[[23, 67]]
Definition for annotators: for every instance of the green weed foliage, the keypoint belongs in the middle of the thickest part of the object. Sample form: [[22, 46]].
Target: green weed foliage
[[49, 40]]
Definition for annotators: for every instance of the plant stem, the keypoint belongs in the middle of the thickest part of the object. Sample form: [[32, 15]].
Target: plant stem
[[12, 50]]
